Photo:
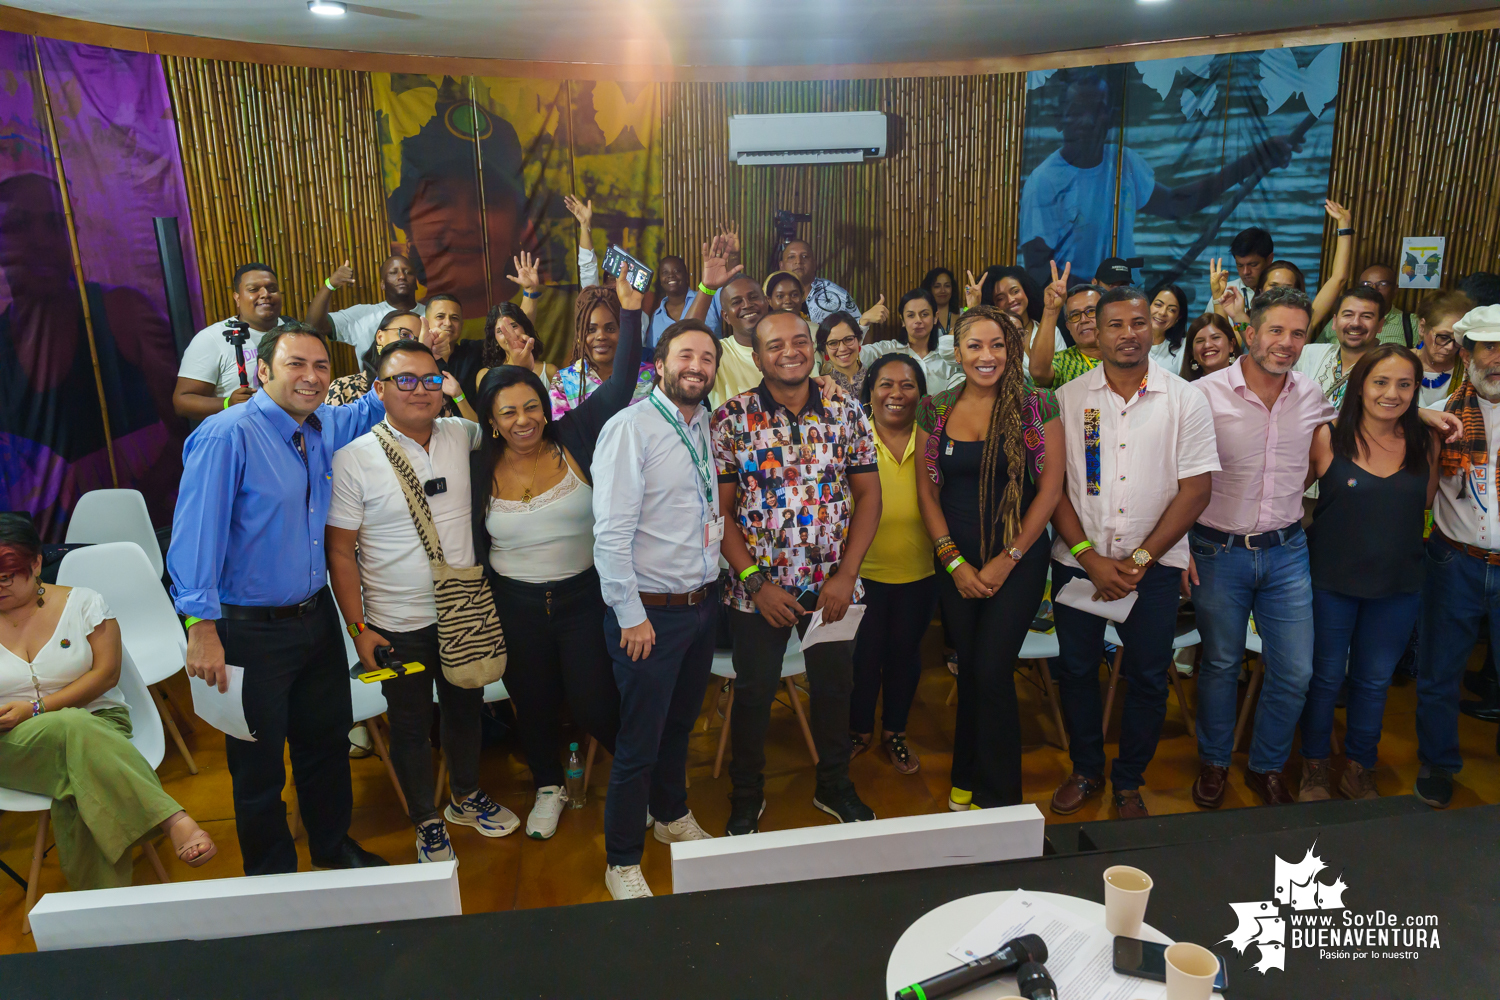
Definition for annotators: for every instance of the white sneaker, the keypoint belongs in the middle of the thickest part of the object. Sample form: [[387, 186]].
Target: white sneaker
[[541, 822], [626, 882], [680, 830], [432, 843], [484, 814]]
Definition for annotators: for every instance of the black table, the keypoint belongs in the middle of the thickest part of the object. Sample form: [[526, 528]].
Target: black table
[[832, 938]]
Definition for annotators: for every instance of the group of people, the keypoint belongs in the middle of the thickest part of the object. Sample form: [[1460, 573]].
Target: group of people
[[757, 449]]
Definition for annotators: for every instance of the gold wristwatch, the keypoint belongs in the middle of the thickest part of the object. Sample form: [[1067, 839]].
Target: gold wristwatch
[[1141, 558]]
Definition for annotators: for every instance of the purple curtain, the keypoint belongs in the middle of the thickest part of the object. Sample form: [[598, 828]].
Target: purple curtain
[[119, 152]]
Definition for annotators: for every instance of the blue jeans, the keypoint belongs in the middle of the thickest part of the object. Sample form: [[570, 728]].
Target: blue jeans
[[1147, 638], [1459, 593], [1276, 584], [660, 698], [1370, 637]]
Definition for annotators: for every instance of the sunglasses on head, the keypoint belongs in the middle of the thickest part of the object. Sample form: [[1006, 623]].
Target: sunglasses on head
[[408, 383]]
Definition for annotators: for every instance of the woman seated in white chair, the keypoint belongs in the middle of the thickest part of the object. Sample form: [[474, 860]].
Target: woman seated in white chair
[[65, 728]]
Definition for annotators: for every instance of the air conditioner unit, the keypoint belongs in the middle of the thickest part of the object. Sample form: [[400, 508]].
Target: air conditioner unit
[[833, 137]]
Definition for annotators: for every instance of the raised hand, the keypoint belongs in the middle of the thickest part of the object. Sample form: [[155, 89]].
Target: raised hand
[[525, 266], [583, 211], [731, 233], [342, 277], [1056, 292], [451, 388], [878, 313], [971, 291], [1218, 278], [629, 297], [1339, 214], [717, 271]]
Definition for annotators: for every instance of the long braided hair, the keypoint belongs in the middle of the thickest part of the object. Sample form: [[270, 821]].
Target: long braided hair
[[589, 299], [1005, 431]]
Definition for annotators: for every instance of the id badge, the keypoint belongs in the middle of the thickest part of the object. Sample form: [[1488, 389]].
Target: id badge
[[713, 532]]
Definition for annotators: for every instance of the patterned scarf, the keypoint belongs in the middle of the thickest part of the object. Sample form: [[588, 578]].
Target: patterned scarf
[[1472, 449]]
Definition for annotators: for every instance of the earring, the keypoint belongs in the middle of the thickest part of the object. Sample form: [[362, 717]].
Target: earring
[[40, 590]]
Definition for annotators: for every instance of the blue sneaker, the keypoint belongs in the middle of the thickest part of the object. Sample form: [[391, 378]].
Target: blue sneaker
[[483, 814], [432, 842]]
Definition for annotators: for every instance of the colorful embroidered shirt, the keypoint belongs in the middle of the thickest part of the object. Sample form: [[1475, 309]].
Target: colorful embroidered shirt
[[793, 473], [1069, 364], [566, 393], [1039, 407]]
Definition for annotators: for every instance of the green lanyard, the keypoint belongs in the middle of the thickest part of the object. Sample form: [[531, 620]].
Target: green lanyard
[[701, 463]]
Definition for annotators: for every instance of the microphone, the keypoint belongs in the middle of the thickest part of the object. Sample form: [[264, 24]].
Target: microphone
[[1028, 948], [1033, 983]]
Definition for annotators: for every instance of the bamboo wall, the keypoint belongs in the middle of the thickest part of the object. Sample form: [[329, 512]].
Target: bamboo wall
[[1416, 149], [947, 192], [282, 166]]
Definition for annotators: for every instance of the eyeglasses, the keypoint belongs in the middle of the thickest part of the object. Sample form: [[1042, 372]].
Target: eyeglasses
[[1081, 314], [1443, 340], [1378, 284], [408, 383], [401, 332], [849, 341]]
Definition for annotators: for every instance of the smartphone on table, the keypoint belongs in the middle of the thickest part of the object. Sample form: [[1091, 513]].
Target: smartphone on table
[[1148, 960], [617, 260]]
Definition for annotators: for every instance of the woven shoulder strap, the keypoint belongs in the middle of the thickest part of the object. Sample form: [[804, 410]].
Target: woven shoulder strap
[[416, 501]]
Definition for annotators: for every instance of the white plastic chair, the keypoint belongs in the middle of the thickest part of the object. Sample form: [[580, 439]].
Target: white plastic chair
[[115, 516], [1185, 640], [792, 664], [146, 736], [122, 574]]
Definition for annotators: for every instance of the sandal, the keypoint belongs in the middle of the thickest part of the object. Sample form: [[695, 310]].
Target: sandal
[[858, 744], [198, 849], [902, 758]]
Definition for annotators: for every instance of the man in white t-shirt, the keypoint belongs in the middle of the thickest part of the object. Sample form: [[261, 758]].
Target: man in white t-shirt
[[384, 589], [208, 377], [1068, 200], [357, 324]]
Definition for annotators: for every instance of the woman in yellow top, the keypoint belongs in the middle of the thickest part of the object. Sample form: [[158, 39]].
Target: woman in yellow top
[[900, 588]]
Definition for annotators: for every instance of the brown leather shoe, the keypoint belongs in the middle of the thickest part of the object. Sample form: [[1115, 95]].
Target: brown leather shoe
[[1208, 790], [1315, 781], [1357, 782], [1130, 805], [1073, 793], [1269, 786]]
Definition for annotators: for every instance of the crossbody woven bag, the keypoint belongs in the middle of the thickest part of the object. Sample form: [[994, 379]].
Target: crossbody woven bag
[[471, 643]]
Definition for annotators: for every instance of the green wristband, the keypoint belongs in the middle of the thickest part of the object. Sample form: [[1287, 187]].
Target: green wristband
[[748, 572], [1081, 546], [329, 285], [957, 562], [459, 398], [191, 621], [705, 289], [226, 402]]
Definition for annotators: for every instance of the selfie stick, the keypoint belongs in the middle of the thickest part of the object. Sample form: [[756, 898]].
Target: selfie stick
[[237, 332]]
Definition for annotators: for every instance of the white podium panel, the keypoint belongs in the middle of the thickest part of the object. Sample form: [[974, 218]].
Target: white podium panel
[[885, 845]]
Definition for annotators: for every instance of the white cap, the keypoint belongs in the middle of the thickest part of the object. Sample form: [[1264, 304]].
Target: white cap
[[1481, 323]]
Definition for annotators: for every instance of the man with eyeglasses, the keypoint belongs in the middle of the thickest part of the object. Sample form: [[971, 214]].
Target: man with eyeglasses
[[1080, 308], [386, 593]]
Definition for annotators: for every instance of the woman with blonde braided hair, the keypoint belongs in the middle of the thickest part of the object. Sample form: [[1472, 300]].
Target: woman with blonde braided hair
[[993, 450], [596, 335]]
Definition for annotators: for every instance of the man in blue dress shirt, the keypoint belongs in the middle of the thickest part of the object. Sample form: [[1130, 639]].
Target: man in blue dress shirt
[[249, 573]]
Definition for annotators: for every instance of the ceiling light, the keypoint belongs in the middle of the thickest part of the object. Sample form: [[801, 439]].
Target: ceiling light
[[326, 8]]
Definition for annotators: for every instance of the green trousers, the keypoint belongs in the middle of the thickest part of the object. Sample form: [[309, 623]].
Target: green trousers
[[105, 798]]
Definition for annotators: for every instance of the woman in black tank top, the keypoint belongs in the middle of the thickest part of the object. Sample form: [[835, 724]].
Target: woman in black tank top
[[1376, 468]]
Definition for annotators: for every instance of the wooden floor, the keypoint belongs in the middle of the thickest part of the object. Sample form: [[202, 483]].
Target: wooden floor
[[516, 872]]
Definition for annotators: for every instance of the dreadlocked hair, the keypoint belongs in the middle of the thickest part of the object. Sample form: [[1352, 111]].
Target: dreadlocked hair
[[1005, 431]]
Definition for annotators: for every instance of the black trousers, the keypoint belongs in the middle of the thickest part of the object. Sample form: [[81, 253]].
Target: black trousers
[[296, 692], [554, 637], [759, 648], [409, 707], [888, 652], [988, 633]]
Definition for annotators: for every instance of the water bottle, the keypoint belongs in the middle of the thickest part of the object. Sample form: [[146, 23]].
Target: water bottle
[[577, 792]]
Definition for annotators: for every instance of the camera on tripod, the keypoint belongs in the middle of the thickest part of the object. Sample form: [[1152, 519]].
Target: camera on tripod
[[785, 224]]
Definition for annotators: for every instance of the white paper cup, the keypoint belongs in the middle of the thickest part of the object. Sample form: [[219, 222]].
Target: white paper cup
[[1126, 892], [1191, 970]]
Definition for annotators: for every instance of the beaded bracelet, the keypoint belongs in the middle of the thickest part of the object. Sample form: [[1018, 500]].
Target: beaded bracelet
[[37, 707]]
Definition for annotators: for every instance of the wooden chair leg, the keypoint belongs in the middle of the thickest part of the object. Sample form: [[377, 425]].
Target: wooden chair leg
[[294, 811], [172, 731], [1114, 681], [1247, 707], [1040, 666], [156, 865], [442, 780], [34, 878], [791, 690], [588, 761], [184, 719], [724, 732], [377, 738], [1182, 702]]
